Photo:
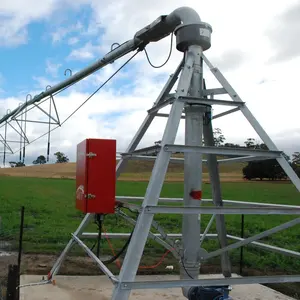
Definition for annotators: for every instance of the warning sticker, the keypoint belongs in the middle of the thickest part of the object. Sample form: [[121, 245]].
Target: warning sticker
[[205, 32]]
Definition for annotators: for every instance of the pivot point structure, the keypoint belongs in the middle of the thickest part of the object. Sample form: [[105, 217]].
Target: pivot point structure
[[192, 102]]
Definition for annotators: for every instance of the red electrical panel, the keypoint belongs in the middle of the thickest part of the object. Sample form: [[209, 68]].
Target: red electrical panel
[[96, 176]]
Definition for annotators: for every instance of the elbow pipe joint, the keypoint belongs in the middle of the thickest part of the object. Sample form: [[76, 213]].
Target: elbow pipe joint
[[185, 22], [190, 30], [183, 15]]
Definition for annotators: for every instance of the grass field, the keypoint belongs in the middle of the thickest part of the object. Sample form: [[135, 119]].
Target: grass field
[[51, 216]]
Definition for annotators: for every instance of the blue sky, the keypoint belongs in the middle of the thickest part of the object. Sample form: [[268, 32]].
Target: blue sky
[[46, 49], [39, 40]]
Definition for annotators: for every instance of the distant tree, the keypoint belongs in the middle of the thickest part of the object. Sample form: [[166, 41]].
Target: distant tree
[[296, 158], [156, 151], [287, 158], [40, 160], [231, 145], [261, 146], [264, 169], [296, 168], [219, 138], [250, 143], [253, 170], [61, 157]]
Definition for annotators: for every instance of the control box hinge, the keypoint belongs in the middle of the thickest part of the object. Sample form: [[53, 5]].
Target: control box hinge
[[91, 154], [90, 196]]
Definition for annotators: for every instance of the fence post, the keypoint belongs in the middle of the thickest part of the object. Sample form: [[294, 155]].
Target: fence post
[[20, 251], [12, 281], [242, 248], [21, 237]]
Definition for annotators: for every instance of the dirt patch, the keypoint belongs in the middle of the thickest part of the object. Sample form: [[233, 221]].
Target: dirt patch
[[5, 261]]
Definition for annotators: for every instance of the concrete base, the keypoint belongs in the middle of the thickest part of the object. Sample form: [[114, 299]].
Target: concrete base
[[100, 288]]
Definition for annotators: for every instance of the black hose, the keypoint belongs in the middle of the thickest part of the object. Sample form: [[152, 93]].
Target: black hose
[[111, 260], [99, 222]]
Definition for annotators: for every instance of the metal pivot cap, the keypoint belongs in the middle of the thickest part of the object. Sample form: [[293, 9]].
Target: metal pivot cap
[[193, 34]]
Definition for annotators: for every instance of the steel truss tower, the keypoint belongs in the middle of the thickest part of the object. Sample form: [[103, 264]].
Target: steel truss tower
[[193, 102]]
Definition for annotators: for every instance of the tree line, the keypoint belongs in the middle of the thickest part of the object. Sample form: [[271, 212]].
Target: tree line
[[41, 159], [270, 169], [259, 169]]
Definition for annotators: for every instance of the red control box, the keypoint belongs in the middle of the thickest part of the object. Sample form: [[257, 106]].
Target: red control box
[[96, 176]]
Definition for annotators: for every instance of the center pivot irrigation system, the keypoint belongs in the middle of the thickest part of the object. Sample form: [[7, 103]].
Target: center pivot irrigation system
[[192, 101]]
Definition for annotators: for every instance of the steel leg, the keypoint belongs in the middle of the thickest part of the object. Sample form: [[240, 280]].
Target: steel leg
[[217, 196], [143, 225]]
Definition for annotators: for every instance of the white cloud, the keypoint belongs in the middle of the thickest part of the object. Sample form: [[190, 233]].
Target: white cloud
[[73, 41], [15, 17], [83, 53], [12, 32], [62, 32], [42, 83], [52, 68], [240, 48]]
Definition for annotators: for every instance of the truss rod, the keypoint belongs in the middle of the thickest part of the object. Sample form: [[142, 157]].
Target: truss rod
[[101, 265], [16, 131], [128, 285], [253, 238], [6, 145], [48, 115], [218, 210], [225, 113], [22, 131], [38, 122]]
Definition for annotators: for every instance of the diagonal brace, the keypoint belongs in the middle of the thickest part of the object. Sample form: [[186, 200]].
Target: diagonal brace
[[22, 131], [90, 253], [4, 142], [252, 239], [20, 134], [36, 105]]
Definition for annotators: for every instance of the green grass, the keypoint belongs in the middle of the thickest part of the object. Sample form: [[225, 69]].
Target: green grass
[[50, 216]]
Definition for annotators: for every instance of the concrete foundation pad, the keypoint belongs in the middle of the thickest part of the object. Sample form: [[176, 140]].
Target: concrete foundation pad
[[100, 288]]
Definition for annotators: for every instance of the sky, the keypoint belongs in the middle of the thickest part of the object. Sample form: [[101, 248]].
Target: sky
[[254, 44]]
